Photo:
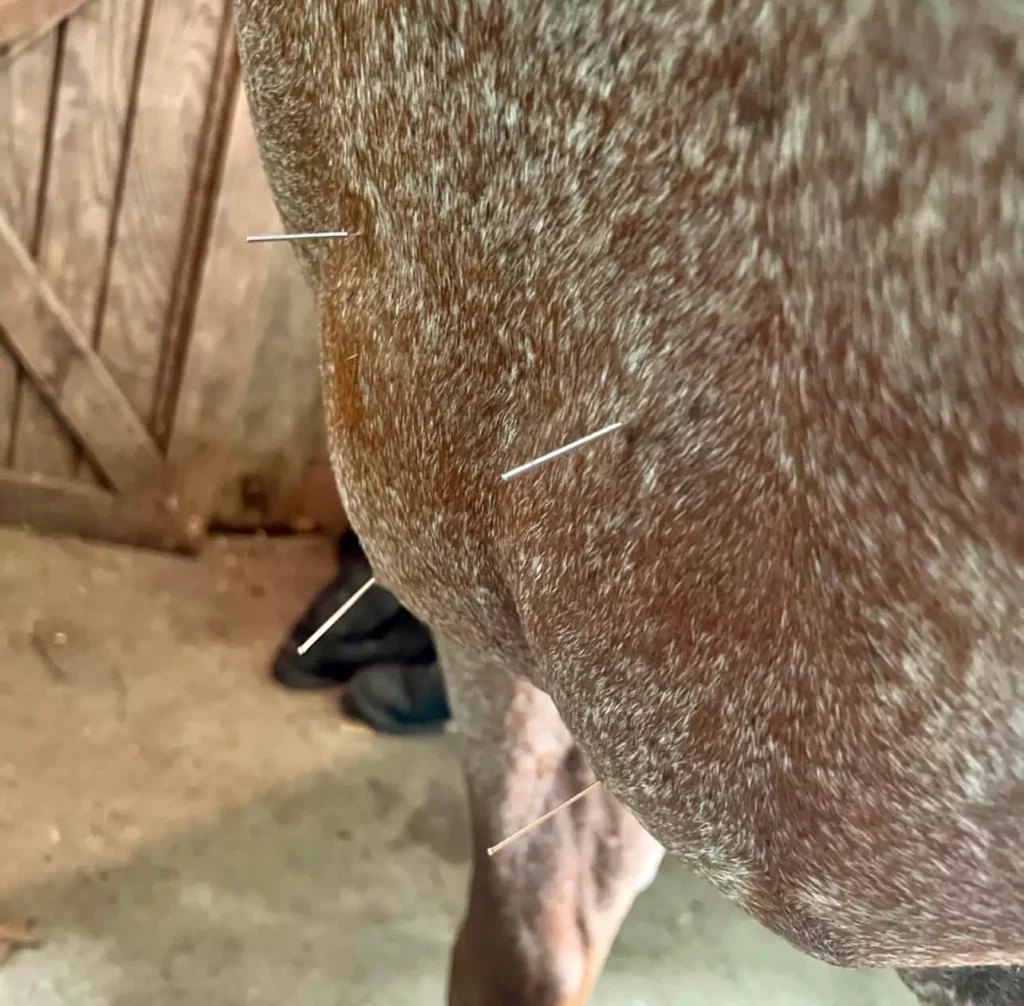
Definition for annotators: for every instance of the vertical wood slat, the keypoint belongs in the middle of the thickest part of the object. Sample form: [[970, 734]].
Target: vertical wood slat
[[167, 185], [223, 344], [179, 61], [91, 119], [281, 423], [198, 216], [25, 81]]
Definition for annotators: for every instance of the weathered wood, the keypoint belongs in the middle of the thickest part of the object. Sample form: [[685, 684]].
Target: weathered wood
[[179, 60], [24, 20], [91, 117], [278, 426], [159, 207], [221, 351], [198, 218], [313, 502], [256, 497], [64, 366], [24, 103], [59, 507]]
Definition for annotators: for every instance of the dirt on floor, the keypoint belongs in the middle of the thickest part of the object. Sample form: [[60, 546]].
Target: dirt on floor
[[107, 655]]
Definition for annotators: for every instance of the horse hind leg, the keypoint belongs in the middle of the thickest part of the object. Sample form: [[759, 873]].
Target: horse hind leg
[[543, 911]]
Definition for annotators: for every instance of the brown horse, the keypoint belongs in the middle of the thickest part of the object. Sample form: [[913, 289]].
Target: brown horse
[[780, 612]]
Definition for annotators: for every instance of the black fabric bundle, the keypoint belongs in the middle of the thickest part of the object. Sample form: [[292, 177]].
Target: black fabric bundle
[[383, 656]]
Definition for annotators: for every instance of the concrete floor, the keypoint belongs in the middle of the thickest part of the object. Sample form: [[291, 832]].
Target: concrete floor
[[187, 834]]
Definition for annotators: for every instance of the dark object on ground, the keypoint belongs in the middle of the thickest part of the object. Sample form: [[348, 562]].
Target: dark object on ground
[[377, 629], [398, 698], [384, 655]]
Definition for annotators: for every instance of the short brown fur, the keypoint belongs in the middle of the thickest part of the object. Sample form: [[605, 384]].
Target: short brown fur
[[780, 613]]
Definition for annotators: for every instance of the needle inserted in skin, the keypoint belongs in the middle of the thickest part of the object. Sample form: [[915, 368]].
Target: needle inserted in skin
[[540, 820], [346, 607], [302, 236], [513, 472]]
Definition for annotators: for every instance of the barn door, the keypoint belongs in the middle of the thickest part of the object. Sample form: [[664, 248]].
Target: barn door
[[129, 177]]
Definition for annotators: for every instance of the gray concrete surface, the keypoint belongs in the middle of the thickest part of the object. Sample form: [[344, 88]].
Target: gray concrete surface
[[186, 834]]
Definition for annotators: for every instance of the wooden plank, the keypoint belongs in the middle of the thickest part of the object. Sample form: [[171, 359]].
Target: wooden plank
[[280, 476], [308, 504], [225, 333], [180, 57], [92, 109], [256, 497], [60, 360], [24, 20], [24, 100], [57, 507], [198, 220], [278, 427], [25, 83], [313, 504]]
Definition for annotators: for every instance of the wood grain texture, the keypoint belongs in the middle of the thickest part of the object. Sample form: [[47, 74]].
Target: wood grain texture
[[58, 507], [198, 219], [223, 344], [188, 195], [278, 420], [280, 475], [179, 62], [312, 503], [91, 117], [57, 355], [24, 100], [25, 20]]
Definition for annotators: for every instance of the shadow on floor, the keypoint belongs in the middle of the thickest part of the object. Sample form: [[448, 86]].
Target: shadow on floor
[[345, 888]]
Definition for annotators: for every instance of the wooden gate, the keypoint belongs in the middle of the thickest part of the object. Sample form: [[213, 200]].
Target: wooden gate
[[129, 178]]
